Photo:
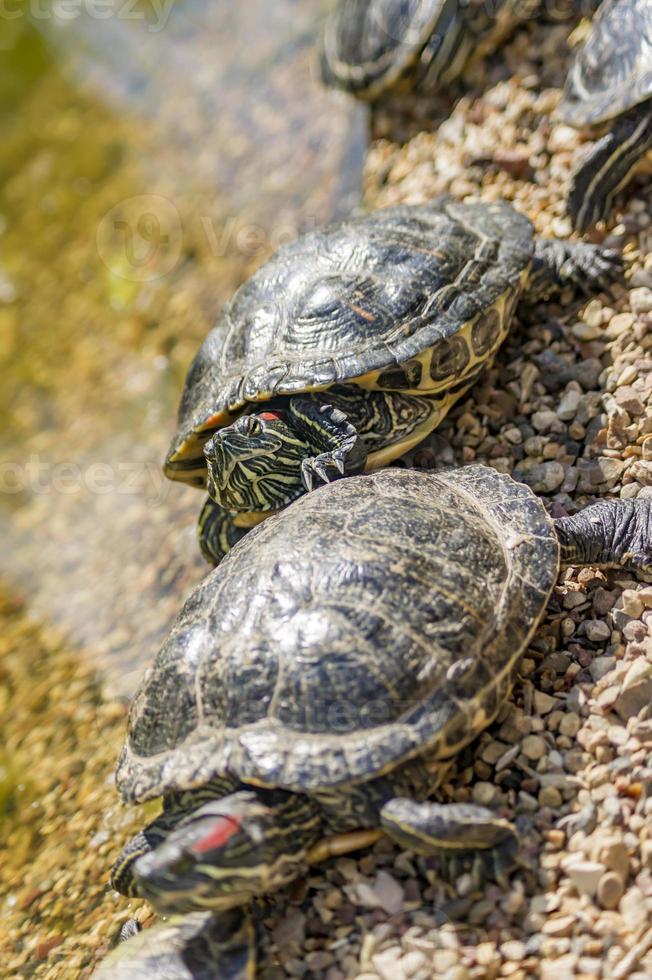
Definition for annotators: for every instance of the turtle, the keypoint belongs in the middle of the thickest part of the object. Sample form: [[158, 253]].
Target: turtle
[[318, 683], [370, 47], [196, 946], [610, 82], [349, 346]]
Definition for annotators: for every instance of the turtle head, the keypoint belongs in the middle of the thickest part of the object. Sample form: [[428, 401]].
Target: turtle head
[[228, 851], [254, 464]]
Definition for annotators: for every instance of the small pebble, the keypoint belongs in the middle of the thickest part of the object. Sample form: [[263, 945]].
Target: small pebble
[[610, 890], [533, 747], [586, 875]]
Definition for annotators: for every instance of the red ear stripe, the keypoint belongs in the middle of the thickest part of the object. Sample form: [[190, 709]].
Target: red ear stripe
[[269, 416], [225, 827]]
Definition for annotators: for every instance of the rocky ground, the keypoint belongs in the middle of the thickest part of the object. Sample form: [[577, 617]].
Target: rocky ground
[[567, 408], [60, 816]]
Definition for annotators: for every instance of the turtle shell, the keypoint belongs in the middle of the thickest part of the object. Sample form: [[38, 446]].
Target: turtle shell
[[369, 44], [360, 301], [374, 619], [613, 71]]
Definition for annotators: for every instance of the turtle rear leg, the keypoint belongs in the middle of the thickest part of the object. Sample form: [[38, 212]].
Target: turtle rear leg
[[560, 263], [611, 533], [217, 532], [463, 834], [609, 167]]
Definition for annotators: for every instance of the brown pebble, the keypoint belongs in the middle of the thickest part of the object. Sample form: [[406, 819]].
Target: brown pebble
[[515, 161], [30, 896], [533, 747], [44, 948]]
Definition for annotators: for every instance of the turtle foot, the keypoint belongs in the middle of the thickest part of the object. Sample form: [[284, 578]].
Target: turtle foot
[[494, 864], [586, 267], [323, 469]]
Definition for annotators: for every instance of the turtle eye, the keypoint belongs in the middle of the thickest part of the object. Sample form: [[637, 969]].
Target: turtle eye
[[248, 425]]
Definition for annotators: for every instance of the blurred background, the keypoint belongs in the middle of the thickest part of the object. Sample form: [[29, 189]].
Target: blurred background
[[153, 155]]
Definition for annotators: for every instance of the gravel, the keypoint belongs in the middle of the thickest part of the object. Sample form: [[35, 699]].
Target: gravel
[[566, 407]]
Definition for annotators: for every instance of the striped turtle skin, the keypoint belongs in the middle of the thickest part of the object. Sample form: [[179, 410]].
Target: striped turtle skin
[[350, 345], [610, 82]]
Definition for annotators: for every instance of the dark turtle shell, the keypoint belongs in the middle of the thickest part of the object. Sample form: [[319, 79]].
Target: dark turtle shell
[[613, 71], [376, 618], [359, 301], [368, 44]]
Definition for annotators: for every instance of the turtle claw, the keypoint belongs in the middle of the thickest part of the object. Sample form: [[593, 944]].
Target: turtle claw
[[589, 266], [492, 864], [321, 469], [307, 476]]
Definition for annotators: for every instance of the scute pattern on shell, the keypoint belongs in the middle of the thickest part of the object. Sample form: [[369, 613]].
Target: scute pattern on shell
[[365, 294], [370, 42], [612, 72], [374, 617]]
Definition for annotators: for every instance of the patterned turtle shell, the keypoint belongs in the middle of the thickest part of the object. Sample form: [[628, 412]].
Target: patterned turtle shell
[[375, 619], [613, 70], [369, 44], [413, 298]]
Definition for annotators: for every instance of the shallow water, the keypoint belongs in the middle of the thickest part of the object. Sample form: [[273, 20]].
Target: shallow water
[[151, 160]]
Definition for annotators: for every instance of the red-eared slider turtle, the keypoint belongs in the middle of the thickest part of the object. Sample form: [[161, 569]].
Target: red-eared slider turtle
[[610, 82], [356, 339], [317, 683], [372, 46]]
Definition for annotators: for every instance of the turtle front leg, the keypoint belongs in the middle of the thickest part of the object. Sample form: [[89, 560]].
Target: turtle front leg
[[364, 429], [465, 835], [559, 263], [609, 167], [339, 448], [217, 531], [611, 533], [200, 944]]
